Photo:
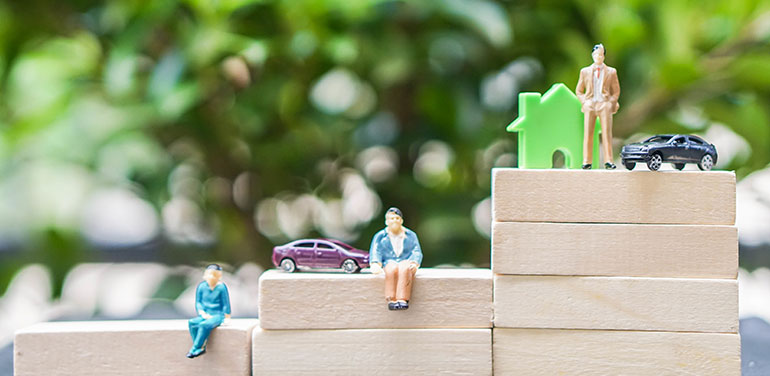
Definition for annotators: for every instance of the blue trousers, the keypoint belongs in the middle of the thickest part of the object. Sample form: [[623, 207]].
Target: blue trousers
[[200, 329]]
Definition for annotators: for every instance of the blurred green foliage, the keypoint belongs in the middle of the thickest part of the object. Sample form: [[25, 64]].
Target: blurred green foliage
[[219, 106]]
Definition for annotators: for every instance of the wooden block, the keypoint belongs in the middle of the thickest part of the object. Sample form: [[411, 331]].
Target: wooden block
[[456, 298], [595, 352], [600, 196], [130, 348], [373, 352], [693, 251], [619, 303]]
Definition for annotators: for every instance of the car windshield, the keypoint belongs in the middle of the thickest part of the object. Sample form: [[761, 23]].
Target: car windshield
[[658, 139], [341, 244]]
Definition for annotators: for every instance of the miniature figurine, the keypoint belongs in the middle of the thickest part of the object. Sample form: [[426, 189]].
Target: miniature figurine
[[677, 149], [319, 253], [396, 249], [212, 302], [598, 104]]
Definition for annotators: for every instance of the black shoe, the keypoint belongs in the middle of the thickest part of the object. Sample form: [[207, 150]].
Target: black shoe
[[403, 305], [610, 166], [394, 306], [194, 354], [587, 166]]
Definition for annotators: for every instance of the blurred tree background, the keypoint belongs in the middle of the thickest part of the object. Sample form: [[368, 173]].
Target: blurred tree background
[[187, 130]]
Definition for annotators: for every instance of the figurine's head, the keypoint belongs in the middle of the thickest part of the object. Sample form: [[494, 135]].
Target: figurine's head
[[598, 53], [394, 219], [212, 274]]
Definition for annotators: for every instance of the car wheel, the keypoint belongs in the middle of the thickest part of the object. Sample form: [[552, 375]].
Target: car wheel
[[679, 166], [288, 265], [350, 266], [655, 161], [629, 165], [706, 162]]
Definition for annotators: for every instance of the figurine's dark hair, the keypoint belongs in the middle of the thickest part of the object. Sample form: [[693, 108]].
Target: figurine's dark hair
[[596, 47], [394, 209], [214, 267]]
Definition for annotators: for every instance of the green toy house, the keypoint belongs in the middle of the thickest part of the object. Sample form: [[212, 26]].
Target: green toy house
[[549, 123]]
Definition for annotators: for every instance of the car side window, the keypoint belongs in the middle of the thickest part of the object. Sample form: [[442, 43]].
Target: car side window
[[696, 141], [678, 140], [324, 246], [306, 245]]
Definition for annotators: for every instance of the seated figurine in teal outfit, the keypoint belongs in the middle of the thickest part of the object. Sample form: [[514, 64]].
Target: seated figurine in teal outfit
[[212, 302]]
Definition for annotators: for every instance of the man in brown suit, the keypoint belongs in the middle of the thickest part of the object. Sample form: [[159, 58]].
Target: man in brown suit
[[598, 103]]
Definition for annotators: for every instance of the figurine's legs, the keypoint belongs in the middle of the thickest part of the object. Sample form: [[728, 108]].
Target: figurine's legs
[[391, 280], [204, 329], [406, 271], [588, 136], [194, 325], [605, 118]]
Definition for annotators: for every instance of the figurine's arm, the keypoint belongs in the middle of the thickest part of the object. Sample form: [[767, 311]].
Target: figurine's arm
[[225, 301], [580, 90], [416, 256], [375, 258], [614, 88], [198, 302]]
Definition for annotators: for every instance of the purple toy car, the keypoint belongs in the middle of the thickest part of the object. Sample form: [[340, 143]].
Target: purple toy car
[[319, 253]]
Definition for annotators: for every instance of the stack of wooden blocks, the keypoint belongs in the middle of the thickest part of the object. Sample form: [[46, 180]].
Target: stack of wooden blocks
[[595, 273], [335, 323], [614, 272]]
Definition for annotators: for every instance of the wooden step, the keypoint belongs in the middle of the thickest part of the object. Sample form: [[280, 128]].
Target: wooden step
[[373, 352], [597, 249], [151, 347], [441, 298], [601, 196], [524, 352], [617, 303]]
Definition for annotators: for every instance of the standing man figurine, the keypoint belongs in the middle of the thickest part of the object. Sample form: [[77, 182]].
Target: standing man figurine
[[212, 302], [598, 90], [398, 249]]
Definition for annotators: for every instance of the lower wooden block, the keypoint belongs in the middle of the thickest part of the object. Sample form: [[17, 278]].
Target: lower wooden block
[[130, 348], [617, 303], [595, 352], [441, 298], [372, 352]]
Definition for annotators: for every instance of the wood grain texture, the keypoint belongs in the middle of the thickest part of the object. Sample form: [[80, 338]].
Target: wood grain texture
[[441, 298], [373, 352], [525, 352], [616, 303], [156, 347], [600, 196], [590, 249]]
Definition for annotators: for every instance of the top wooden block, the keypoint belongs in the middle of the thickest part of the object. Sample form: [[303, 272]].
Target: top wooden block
[[602, 196]]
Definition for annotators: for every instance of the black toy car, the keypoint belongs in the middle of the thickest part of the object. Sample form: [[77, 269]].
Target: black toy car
[[677, 149]]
